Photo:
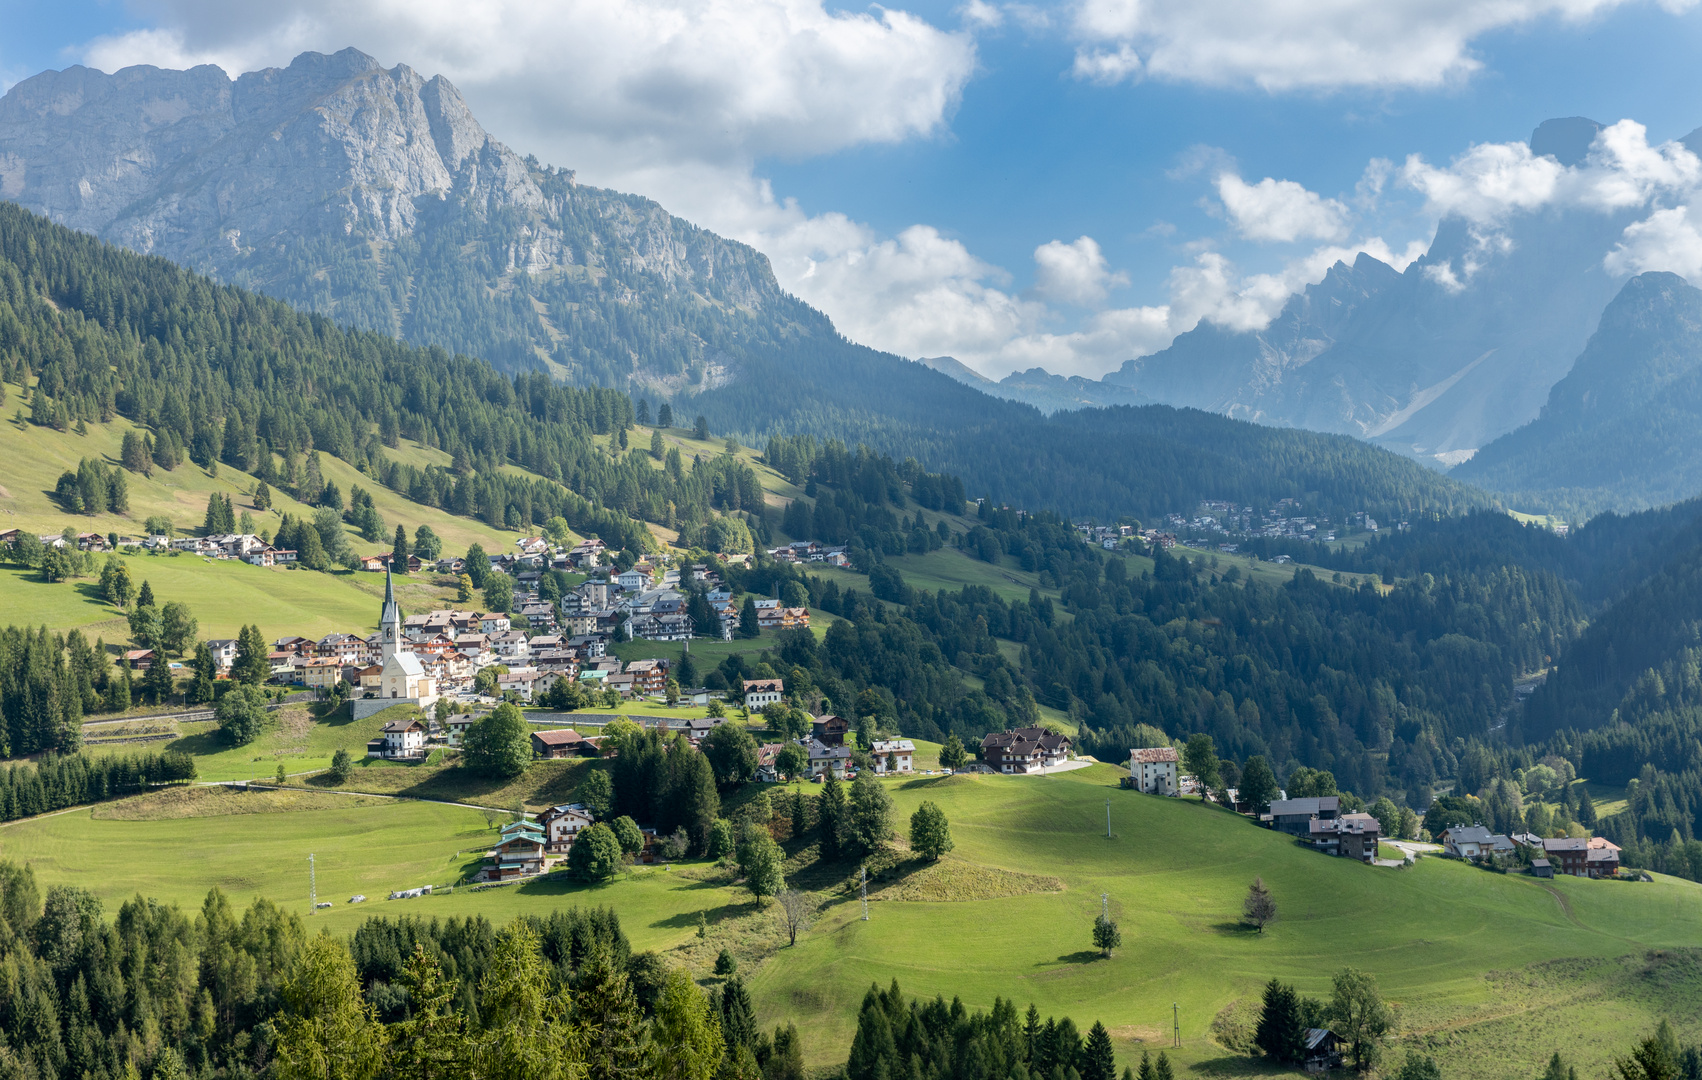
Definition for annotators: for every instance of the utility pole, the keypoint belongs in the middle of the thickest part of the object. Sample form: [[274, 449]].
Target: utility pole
[[1105, 906], [1108, 817], [863, 889], [1175, 1027], [312, 886]]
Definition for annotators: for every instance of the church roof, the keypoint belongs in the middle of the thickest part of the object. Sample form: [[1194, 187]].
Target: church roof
[[406, 662]]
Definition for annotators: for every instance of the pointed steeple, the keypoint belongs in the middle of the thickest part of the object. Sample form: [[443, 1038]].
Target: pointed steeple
[[389, 621]]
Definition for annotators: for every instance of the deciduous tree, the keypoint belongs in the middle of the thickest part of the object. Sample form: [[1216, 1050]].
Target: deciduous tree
[[930, 832]]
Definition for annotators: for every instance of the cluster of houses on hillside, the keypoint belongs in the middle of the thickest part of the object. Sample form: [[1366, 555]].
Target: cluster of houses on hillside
[[809, 551], [1586, 857]]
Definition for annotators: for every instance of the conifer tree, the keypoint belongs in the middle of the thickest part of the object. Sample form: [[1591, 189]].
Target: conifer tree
[[399, 551]]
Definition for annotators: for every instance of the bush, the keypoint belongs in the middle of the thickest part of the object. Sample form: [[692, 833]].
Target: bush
[[725, 964], [341, 766], [241, 714]]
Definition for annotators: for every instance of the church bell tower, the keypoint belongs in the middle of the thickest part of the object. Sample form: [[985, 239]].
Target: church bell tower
[[389, 622]]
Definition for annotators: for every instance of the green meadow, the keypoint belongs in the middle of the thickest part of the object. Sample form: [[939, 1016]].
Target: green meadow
[[1489, 972]]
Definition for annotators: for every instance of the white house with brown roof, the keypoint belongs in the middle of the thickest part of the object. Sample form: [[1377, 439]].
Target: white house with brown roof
[[1024, 750], [892, 756], [1153, 769], [763, 692]]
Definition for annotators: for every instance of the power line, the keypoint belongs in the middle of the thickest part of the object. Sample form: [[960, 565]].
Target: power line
[[863, 889], [1176, 1027]]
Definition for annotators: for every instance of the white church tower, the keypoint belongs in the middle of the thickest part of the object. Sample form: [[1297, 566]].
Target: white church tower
[[389, 622]]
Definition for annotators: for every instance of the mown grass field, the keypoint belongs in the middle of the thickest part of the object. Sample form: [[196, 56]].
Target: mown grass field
[[294, 739], [1489, 972]]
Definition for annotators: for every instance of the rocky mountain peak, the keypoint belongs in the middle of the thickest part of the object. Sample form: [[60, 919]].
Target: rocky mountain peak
[[1566, 139]]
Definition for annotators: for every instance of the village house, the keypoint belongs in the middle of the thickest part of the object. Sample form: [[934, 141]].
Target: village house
[[224, 652], [766, 754], [321, 673], [519, 853], [561, 743], [401, 740], [1153, 770], [458, 725], [1024, 750], [562, 824], [825, 758], [1474, 842], [892, 756], [138, 659], [1577, 857], [760, 693], [294, 645], [1352, 836], [648, 676], [782, 618], [1295, 816]]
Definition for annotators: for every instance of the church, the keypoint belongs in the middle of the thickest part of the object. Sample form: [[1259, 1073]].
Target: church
[[403, 677]]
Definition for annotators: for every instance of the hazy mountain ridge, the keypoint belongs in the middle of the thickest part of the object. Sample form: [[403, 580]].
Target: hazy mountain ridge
[[1623, 430], [374, 195], [1434, 361]]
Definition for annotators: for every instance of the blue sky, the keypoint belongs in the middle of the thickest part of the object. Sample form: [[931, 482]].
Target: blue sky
[[905, 175]]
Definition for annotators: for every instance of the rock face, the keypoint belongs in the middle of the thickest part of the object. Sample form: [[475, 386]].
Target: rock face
[[375, 196], [1623, 430]]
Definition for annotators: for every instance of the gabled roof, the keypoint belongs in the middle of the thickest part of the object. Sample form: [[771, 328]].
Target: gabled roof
[[558, 737], [1155, 755]]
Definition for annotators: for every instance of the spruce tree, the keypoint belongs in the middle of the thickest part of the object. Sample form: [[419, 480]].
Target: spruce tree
[[399, 551]]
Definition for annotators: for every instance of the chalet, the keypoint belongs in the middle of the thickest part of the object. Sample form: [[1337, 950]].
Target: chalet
[[294, 645], [520, 852], [763, 692], [374, 564], [1153, 770], [522, 681], [451, 565], [766, 755], [224, 652], [648, 676], [829, 729], [562, 824], [589, 646], [782, 618], [343, 647], [532, 545], [825, 758], [561, 743], [892, 756], [1352, 836], [586, 553], [139, 659], [1474, 842], [1295, 816], [1024, 750], [1577, 857]]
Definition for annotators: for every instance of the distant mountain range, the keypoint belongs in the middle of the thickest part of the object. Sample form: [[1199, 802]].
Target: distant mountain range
[[1407, 360], [374, 196]]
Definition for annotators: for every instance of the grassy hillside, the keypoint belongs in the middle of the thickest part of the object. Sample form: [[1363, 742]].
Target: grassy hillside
[[223, 594], [36, 456], [1489, 972]]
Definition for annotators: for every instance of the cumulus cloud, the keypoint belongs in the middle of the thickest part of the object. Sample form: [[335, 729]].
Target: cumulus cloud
[[1280, 210], [1302, 44], [1075, 273], [1669, 239], [1492, 181], [631, 80]]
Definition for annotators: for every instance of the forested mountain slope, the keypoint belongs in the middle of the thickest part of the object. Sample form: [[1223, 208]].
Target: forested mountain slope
[[1623, 429], [374, 196]]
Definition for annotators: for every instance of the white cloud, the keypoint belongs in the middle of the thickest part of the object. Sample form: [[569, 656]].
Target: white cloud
[[1669, 239], [981, 13], [1492, 181], [623, 81], [1280, 210], [1302, 44], [1074, 273]]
